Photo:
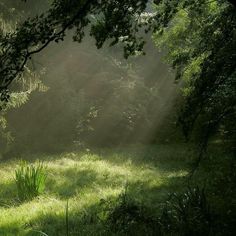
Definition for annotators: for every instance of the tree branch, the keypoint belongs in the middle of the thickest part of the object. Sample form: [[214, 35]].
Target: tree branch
[[51, 39]]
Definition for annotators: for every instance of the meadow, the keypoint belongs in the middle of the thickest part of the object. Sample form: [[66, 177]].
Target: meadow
[[84, 178], [79, 182]]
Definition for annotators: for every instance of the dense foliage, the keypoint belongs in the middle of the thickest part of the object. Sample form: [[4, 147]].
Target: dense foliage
[[199, 37], [37, 32]]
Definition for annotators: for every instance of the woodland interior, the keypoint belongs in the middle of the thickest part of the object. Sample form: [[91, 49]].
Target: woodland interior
[[117, 118]]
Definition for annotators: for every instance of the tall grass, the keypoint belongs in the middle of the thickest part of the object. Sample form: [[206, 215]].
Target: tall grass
[[30, 180]]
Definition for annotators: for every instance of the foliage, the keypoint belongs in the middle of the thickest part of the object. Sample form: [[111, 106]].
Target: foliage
[[199, 38], [15, 100], [30, 180], [113, 21], [187, 214], [36, 33], [22, 87]]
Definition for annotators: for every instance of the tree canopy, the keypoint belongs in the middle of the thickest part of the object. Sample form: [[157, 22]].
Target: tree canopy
[[201, 45], [107, 19], [201, 48]]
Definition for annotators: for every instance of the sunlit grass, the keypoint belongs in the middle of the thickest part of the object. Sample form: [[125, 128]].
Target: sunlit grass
[[84, 179]]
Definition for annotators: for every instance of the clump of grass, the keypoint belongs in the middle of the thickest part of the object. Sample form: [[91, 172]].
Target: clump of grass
[[30, 180]]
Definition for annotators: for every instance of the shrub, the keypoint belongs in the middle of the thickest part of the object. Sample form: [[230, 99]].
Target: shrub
[[30, 180], [126, 216], [187, 214]]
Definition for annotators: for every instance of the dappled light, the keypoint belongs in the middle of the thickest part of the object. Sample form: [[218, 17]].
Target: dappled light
[[86, 178]]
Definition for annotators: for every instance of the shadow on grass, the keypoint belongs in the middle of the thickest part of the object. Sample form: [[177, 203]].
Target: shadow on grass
[[156, 194], [74, 181], [79, 224], [90, 221], [70, 182], [11, 230], [163, 156], [66, 181], [8, 194]]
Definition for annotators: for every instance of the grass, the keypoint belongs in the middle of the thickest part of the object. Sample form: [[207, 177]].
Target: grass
[[30, 180], [85, 179]]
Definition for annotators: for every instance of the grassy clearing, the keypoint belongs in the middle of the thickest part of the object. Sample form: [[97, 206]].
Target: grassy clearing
[[84, 179]]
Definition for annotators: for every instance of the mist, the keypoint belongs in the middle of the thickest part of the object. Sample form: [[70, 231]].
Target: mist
[[95, 98]]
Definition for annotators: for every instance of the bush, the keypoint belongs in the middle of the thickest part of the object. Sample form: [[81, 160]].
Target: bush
[[187, 214], [30, 180], [125, 216]]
